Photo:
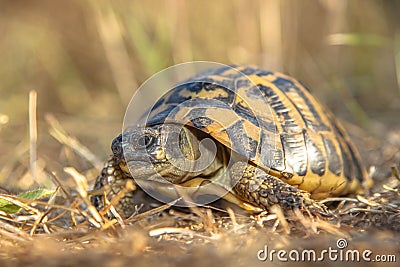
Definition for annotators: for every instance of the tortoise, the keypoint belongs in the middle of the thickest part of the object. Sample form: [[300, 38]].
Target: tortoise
[[291, 154]]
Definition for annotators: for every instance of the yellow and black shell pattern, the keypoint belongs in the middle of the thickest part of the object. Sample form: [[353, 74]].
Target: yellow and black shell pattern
[[296, 139]]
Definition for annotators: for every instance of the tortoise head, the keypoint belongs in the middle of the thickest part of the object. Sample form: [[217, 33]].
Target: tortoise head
[[161, 153]]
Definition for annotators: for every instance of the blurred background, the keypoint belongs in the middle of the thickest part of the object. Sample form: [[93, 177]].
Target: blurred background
[[86, 58]]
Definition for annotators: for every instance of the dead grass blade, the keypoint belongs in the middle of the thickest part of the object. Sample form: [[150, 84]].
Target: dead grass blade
[[12, 232], [23, 203], [146, 214], [33, 133], [58, 182], [81, 185], [395, 172], [281, 218], [57, 131], [182, 231]]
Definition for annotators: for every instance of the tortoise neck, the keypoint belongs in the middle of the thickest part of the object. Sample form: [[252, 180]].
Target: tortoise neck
[[207, 154]]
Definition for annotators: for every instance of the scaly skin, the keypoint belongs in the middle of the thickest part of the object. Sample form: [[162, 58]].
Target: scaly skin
[[113, 179]]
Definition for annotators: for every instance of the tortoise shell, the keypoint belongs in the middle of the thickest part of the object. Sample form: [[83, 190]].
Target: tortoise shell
[[273, 120]]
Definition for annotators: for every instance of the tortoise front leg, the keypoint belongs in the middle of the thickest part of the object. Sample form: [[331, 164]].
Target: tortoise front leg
[[113, 180], [264, 190]]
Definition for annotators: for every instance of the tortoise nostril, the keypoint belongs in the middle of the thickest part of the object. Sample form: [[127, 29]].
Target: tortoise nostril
[[116, 146]]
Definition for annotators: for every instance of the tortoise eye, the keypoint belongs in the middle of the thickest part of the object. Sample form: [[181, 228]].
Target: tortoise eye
[[144, 141]]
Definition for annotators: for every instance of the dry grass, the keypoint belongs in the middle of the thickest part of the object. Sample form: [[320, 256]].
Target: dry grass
[[85, 58], [67, 229]]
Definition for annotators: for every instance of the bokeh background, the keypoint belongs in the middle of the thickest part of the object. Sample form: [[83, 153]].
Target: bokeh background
[[86, 58]]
